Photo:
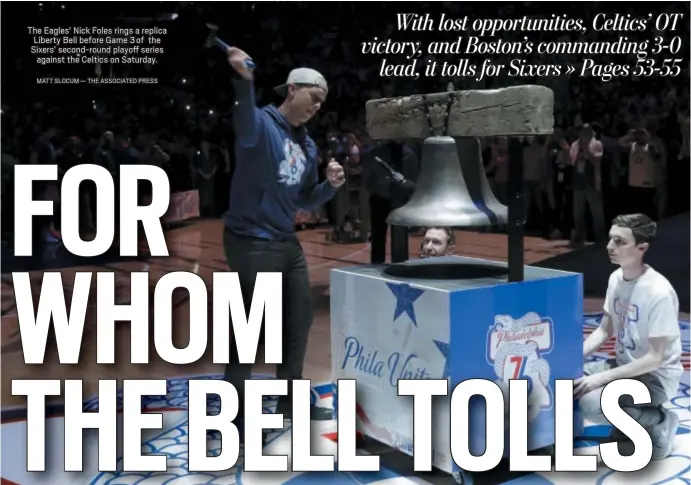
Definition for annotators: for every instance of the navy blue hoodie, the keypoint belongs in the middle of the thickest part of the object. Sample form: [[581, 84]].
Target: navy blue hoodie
[[273, 175]]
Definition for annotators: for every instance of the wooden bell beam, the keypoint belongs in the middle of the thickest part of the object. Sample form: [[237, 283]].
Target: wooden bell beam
[[512, 111]]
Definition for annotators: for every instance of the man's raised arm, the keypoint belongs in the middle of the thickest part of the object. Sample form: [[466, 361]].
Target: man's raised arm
[[246, 115]]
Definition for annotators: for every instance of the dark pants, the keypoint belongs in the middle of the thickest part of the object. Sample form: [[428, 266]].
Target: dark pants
[[591, 199], [248, 256], [380, 208], [562, 209]]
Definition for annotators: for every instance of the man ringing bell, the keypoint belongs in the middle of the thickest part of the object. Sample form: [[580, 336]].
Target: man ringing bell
[[275, 175]]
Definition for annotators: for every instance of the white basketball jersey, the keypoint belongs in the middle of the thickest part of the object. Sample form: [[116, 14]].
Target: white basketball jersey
[[642, 167]]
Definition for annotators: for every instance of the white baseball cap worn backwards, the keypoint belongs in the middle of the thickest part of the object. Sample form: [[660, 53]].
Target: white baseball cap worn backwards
[[302, 76]]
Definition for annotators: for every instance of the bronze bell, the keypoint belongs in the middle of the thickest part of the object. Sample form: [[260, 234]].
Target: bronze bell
[[452, 189]]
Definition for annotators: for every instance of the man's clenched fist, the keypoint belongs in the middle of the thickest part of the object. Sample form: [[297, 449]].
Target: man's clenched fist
[[335, 174], [238, 61]]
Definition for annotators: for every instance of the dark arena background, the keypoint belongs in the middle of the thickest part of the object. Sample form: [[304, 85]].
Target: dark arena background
[[182, 122]]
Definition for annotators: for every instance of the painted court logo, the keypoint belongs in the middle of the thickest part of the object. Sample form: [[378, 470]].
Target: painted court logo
[[515, 349]]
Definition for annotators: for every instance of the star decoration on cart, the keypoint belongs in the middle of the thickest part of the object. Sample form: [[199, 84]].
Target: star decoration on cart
[[444, 349], [405, 297]]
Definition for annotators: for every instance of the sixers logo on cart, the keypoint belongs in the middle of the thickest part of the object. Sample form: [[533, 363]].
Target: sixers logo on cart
[[515, 349]]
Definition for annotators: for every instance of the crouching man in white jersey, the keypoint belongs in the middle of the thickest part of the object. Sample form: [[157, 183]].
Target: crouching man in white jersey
[[642, 310]]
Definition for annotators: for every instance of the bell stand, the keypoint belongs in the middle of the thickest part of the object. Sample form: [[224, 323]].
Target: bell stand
[[516, 215]]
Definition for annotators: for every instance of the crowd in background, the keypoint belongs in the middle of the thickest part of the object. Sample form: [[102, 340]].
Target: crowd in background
[[182, 124]]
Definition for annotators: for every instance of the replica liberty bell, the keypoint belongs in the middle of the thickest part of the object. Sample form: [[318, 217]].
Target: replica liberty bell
[[452, 189]]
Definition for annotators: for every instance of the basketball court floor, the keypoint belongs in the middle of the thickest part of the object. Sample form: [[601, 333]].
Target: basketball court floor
[[197, 248]]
